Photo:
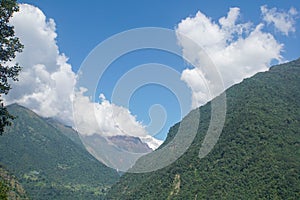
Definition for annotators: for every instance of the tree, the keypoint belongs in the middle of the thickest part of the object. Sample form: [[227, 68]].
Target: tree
[[9, 46]]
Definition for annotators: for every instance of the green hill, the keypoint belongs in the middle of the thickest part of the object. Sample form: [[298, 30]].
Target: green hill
[[256, 157], [49, 164]]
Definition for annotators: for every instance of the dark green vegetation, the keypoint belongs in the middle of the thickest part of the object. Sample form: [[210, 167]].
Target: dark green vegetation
[[67, 131], [10, 188], [256, 157], [9, 46], [48, 163]]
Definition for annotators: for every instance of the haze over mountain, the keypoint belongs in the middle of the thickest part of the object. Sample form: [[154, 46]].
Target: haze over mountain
[[104, 148], [117, 152], [132, 144], [256, 157]]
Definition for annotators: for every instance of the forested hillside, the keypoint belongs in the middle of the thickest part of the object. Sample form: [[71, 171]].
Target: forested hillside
[[256, 157]]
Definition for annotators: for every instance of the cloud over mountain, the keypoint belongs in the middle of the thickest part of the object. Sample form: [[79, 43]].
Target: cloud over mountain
[[238, 50], [46, 83], [108, 119]]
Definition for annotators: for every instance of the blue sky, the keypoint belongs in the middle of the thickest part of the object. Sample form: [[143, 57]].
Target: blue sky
[[82, 25]]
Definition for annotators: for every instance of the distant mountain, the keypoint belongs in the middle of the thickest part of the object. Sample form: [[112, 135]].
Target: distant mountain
[[130, 143], [49, 160], [105, 148], [151, 142], [67, 131], [112, 151], [256, 157]]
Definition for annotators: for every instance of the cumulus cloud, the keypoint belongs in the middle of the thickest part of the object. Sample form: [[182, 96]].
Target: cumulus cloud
[[107, 119], [47, 80], [46, 83], [237, 50], [283, 21]]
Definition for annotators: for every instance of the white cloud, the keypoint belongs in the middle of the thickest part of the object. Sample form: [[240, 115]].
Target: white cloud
[[46, 83], [238, 50], [108, 119], [283, 21], [47, 80]]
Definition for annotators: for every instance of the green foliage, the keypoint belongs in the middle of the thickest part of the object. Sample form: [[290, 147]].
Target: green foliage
[[3, 190], [9, 46], [10, 188], [67, 131], [49, 164], [256, 157]]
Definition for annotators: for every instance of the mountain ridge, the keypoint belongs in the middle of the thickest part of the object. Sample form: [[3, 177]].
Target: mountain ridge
[[130, 143], [257, 155], [49, 164]]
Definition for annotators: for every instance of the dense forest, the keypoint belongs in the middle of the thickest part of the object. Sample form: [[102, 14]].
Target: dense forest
[[256, 157], [49, 160]]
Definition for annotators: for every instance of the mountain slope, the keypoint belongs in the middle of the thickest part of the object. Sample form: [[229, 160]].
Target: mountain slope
[[10, 188], [112, 150], [130, 143], [256, 157], [67, 131], [47, 163]]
